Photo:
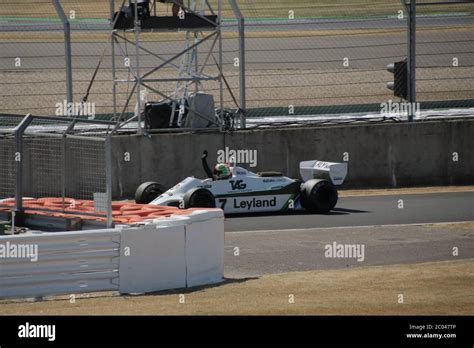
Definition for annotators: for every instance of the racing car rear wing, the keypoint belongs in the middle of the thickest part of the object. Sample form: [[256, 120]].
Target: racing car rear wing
[[336, 172]]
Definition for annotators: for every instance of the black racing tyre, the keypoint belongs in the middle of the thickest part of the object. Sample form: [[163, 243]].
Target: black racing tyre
[[318, 196], [148, 191], [199, 198]]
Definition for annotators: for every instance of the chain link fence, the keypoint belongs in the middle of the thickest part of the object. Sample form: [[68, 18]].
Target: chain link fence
[[302, 57], [7, 155], [58, 162], [445, 54]]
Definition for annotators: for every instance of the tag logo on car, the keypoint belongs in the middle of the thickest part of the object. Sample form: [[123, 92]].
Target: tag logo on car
[[237, 185]]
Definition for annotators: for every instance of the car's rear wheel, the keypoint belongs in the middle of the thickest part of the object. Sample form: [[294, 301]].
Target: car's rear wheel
[[318, 196], [199, 198], [148, 191]]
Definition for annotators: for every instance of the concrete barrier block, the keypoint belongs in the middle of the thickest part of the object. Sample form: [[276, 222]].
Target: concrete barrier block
[[205, 249], [155, 260]]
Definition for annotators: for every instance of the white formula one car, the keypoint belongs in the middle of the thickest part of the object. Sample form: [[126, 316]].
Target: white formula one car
[[247, 192]]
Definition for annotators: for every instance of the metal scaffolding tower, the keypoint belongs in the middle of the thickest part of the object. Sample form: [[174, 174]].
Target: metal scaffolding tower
[[200, 24]]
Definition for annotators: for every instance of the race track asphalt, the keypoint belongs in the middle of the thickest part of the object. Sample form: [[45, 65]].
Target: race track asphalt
[[266, 244], [366, 50], [367, 211]]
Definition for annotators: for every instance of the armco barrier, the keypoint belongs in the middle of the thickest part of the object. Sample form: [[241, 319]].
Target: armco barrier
[[68, 262], [165, 253]]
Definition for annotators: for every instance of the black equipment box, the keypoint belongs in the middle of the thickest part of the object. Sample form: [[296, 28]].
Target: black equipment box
[[158, 115]]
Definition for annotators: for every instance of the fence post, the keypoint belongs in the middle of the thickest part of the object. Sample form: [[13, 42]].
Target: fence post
[[68, 52], [221, 75], [63, 170], [112, 10], [108, 178], [243, 99], [411, 65], [19, 130], [138, 79]]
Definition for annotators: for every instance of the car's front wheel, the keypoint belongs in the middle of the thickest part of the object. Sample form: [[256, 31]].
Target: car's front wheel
[[199, 198], [318, 196], [148, 191]]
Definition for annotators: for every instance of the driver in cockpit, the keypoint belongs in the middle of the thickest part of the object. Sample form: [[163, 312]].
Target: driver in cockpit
[[222, 171]]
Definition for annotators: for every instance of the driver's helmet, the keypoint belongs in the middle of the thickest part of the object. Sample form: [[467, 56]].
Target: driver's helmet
[[222, 171]]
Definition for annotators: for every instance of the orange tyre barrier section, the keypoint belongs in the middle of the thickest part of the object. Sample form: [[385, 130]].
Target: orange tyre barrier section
[[122, 212]]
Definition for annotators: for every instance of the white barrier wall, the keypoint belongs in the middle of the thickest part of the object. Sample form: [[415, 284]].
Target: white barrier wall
[[171, 253], [152, 259], [66, 263], [204, 250], [168, 253]]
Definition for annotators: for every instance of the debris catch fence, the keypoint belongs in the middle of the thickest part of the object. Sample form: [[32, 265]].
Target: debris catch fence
[[58, 160]]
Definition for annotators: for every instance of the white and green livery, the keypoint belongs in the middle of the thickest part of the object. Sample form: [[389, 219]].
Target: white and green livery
[[248, 192]]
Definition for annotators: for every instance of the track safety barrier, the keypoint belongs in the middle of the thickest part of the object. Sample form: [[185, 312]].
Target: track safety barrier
[[177, 250]]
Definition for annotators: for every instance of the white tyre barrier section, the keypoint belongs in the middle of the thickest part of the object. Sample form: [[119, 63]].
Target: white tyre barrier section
[[168, 253]]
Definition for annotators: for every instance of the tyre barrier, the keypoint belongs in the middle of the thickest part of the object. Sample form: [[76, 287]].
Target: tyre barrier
[[123, 212]]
